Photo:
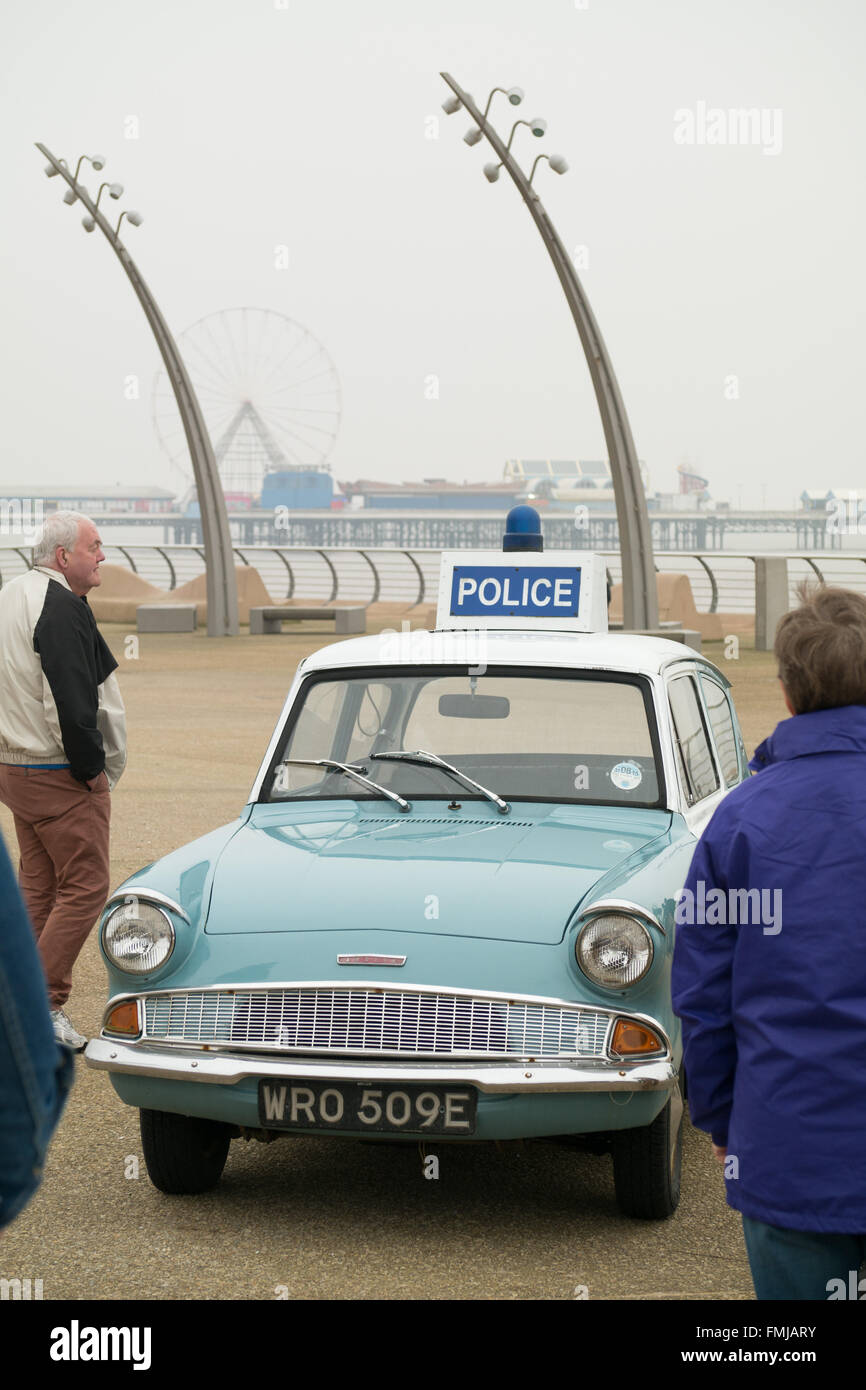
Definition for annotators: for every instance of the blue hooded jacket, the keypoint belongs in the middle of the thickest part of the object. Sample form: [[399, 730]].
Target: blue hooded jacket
[[774, 1007], [35, 1071]]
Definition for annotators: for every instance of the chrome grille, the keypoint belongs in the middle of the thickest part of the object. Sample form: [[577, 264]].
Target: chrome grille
[[375, 1022]]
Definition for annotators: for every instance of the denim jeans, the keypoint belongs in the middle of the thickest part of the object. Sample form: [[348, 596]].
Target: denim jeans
[[35, 1071], [788, 1264]]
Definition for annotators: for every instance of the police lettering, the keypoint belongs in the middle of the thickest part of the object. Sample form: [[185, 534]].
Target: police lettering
[[552, 593]]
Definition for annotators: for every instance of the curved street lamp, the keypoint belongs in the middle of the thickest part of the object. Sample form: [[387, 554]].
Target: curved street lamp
[[514, 94], [135, 219], [222, 598], [640, 601], [451, 104], [557, 162], [115, 190]]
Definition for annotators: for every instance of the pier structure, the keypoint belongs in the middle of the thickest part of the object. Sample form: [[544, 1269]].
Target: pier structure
[[441, 530]]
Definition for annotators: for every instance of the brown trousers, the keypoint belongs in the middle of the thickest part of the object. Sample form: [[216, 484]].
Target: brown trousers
[[62, 829]]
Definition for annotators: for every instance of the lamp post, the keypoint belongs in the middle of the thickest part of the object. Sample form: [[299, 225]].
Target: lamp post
[[640, 602], [222, 598]]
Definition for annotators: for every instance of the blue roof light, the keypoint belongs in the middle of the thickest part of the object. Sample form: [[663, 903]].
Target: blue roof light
[[523, 530]]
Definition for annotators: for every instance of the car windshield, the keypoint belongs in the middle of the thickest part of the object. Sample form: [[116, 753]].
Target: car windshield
[[565, 737]]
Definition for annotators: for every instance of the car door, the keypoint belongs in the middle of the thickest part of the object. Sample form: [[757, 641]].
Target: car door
[[706, 769], [724, 728]]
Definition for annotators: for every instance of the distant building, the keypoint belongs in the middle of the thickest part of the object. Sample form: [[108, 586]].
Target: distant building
[[815, 500], [596, 470], [435, 494], [692, 484], [834, 498], [564, 481], [96, 498], [298, 488]]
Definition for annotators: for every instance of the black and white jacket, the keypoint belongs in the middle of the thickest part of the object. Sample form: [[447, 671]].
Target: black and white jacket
[[59, 699]]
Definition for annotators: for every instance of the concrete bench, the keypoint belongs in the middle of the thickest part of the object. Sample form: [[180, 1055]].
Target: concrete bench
[[166, 617], [352, 619], [689, 636]]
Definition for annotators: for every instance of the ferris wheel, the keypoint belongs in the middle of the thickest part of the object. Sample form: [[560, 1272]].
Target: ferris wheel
[[268, 391]]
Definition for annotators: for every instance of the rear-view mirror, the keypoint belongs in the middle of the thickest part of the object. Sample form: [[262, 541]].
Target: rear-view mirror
[[474, 706]]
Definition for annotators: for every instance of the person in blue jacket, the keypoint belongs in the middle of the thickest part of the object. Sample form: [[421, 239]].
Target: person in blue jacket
[[773, 1007], [35, 1070]]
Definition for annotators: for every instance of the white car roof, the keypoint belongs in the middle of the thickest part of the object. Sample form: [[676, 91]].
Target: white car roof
[[607, 651]]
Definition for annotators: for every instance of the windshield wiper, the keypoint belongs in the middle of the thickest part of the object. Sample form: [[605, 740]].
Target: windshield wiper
[[420, 755], [350, 772]]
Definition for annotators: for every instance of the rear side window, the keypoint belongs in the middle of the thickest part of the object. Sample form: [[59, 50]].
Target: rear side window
[[723, 730], [696, 766]]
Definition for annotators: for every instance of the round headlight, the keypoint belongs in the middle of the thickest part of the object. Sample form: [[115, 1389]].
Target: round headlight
[[138, 937], [614, 950]]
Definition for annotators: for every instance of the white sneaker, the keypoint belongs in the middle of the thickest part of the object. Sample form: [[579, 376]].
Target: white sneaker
[[65, 1033]]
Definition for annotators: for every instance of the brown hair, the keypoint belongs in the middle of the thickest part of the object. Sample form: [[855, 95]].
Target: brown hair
[[821, 649]]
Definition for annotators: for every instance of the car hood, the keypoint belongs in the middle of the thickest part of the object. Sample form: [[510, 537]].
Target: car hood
[[474, 874]]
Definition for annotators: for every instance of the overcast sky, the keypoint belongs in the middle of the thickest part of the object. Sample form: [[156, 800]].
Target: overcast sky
[[727, 278]]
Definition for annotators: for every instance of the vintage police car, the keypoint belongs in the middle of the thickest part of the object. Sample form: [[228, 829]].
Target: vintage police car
[[446, 912]]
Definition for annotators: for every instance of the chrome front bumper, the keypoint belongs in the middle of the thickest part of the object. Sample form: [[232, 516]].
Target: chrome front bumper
[[227, 1069]]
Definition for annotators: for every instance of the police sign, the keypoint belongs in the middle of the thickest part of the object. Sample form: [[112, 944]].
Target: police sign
[[560, 590], [512, 590]]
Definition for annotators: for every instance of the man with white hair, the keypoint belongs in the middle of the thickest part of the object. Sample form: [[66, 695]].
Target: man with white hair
[[62, 745]]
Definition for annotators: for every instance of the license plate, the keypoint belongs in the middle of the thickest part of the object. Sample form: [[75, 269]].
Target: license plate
[[360, 1107]]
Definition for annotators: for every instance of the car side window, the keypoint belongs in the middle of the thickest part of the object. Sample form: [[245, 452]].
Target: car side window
[[336, 721], [722, 725], [314, 732], [695, 761]]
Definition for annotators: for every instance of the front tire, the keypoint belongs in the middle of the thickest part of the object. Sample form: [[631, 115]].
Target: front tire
[[184, 1155], [647, 1165]]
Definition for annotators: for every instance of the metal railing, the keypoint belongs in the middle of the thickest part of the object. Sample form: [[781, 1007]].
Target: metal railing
[[724, 582], [721, 582], [326, 575]]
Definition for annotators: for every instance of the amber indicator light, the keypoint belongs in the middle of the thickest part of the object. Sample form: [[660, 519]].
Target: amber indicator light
[[124, 1018], [632, 1039]]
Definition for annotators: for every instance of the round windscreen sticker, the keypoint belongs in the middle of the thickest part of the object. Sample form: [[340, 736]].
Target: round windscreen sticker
[[626, 776]]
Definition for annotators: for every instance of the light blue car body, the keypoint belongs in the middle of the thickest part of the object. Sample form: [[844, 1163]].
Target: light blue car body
[[481, 904]]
